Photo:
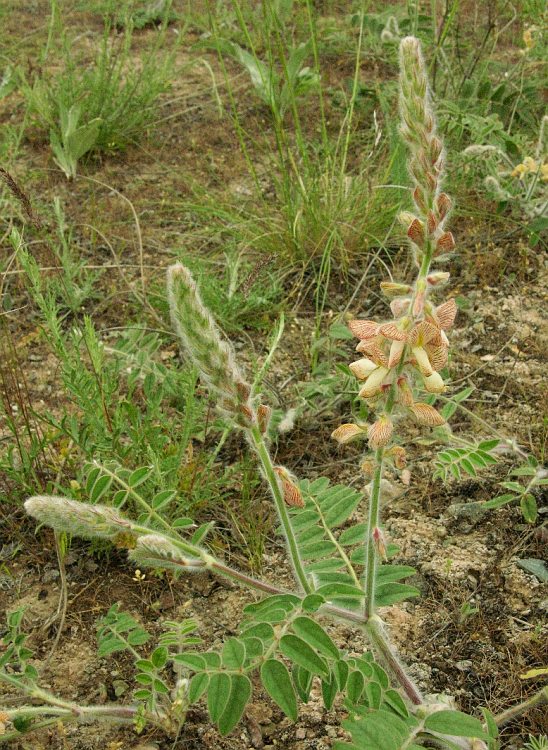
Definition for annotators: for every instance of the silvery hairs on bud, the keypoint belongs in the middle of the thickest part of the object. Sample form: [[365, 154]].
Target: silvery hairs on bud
[[156, 551], [202, 341], [418, 124], [79, 519]]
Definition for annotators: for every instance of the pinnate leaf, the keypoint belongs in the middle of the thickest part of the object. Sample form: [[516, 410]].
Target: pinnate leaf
[[315, 636], [238, 697], [455, 723], [277, 683], [295, 649], [218, 694]]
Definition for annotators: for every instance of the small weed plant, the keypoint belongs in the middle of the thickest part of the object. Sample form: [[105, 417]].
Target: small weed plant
[[101, 106], [310, 203], [342, 569]]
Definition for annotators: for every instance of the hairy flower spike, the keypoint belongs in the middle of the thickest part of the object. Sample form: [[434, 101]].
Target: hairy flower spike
[[80, 519], [209, 352], [398, 456], [443, 205], [404, 392], [156, 551], [434, 383], [445, 243], [372, 385], [438, 278], [426, 152]]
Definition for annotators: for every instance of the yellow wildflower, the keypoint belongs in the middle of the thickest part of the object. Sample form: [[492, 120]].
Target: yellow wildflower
[[528, 166], [519, 171], [528, 38]]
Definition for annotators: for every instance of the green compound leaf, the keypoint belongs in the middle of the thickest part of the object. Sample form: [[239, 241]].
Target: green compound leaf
[[162, 499], [490, 723], [390, 593], [142, 695], [218, 694], [145, 665], [159, 657], [334, 590], [499, 501], [212, 659], [273, 616], [353, 535], [263, 630], [299, 652], [312, 602], [354, 686], [302, 681], [341, 670], [277, 683], [329, 691], [396, 702], [238, 697], [191, 660], [197, 687], [160, 687], [373, 693], [233, 654], [139, 476], [201, 532], [529, 508], [118, 629], [315, 636], [287, 602], [537, 567], [388, 573], [380, 730], [254, 647], [455, 723], [98, 486]]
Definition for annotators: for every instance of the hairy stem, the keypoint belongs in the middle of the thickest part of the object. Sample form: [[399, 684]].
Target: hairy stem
[[377, 636], [513, 712], [268, 588], [265, 461], [372, 523]]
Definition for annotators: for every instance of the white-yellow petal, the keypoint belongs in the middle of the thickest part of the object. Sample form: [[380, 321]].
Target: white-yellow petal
[[434, 383], [422, 360], [373, 383], [361, 368]]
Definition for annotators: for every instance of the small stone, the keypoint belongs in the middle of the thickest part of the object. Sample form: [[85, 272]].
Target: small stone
[[120, 687], [464, 666], [50, 575]]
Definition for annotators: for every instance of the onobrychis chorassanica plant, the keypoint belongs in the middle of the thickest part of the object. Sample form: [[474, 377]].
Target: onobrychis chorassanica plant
[[341, 568]]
